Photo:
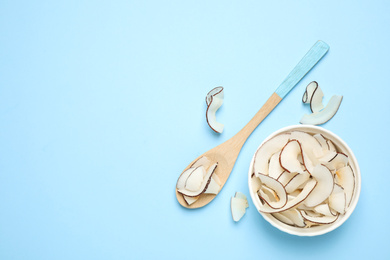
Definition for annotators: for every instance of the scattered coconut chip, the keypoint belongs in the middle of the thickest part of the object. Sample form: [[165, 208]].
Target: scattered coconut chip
[[323, 116], [214, 100], [238, 205]]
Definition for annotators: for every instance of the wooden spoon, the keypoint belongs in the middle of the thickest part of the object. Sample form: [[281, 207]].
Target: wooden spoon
[[226, 153]]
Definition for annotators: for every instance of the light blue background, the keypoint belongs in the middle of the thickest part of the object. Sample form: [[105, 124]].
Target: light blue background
[[102, 107]]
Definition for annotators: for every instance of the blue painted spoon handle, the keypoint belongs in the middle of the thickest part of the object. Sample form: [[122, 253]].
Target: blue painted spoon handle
[[312, 57]]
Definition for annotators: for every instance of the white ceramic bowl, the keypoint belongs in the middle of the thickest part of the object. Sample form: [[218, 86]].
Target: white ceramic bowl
[[317, 230]]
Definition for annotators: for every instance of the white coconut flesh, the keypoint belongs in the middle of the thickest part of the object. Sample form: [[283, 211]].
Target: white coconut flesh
[[289, 157], [323, 116], [214, 100], [275, 170], [340, 160], [337, 199], [198, 180], [324, 186], [309, 144], [278, 188], [263, 155], [311, 190], [346, 179], [319, 219], [238, 205]]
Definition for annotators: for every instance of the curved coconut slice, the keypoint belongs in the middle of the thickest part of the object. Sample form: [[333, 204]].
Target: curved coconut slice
[[346, 179], [309, 145], [310, 89], [205, 183], [288, 157], [214, 100], [275, 170], [213, 187], [190, 200], [278, 188], [324, 186], [297, 181], [202, 161], [324, 210], [268, 194], [324, 115], [195, 179], [327, 157], [331, 146], [282, 218], [286, 177], [319, 220], [238, 206], [292, 203], [256, 183], [181, 182], [337, 200], [338, 161], [264, 153], [295, 216], [322, 141]]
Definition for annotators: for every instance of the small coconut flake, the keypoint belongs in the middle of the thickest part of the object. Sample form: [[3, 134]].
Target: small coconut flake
[[323, 116], [238, 205], [214, 100]]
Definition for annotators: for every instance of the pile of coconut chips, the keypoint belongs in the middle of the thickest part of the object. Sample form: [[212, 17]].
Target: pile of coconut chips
[[302, 180]]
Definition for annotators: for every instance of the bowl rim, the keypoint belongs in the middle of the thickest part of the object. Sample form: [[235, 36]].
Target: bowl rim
[[315, 231]]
